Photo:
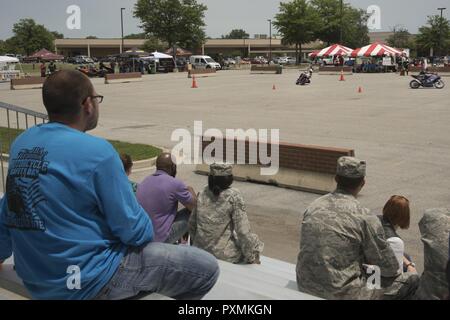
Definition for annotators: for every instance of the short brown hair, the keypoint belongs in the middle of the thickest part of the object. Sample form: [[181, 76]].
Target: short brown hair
[[397, 212], [127, 162], [65, 91]]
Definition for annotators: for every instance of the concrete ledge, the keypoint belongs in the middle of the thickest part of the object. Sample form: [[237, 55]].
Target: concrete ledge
[[439, 70], [27, 83], [335, 70], [302, 180], [123, 77], [302, 167], [10, 282], [201, 73], [277, 69]]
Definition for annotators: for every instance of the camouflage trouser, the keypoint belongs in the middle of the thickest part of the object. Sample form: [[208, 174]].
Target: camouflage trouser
[[401, 288]]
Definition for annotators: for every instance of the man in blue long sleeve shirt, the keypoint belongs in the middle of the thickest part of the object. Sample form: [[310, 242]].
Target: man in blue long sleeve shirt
[[71, 219]]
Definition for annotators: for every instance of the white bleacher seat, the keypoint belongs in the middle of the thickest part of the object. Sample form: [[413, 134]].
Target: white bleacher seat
[[272, 280]]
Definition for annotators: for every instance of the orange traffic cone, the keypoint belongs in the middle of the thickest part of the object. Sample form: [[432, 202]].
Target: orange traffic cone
[[342, 76], [360, 90], [274, 87], [194, 83]]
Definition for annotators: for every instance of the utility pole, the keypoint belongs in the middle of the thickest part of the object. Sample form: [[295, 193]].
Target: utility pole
[[121, 22], [341, 36], [270, 40], [440, 30]]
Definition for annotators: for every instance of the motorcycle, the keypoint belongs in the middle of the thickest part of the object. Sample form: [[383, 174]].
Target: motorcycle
[[305, 77], [427, 80]]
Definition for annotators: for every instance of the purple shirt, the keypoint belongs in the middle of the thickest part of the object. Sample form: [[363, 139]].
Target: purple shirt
[[159, 195]]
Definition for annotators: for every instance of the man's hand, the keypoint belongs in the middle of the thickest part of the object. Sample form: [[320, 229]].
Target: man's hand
[[193, 204]]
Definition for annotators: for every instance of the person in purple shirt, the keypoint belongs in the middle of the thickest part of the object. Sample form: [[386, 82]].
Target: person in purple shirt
[[159, 195]]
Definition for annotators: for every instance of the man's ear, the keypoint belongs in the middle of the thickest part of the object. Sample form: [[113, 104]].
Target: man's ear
[[88, 106]]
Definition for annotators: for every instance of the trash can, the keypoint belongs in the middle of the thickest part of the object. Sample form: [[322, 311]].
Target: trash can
[[153, 69], [279, 69]]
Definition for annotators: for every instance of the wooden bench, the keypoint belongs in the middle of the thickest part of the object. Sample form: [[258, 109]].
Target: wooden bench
[[27, 83], [264, 68], [324, 70], [201, 72], [123, 77]]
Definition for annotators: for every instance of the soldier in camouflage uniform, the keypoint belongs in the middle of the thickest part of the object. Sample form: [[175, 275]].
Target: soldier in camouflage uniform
[[339, 238], [434, 228], [219, 223]]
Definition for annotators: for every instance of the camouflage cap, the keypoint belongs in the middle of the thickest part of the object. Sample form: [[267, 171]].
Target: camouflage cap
[[349, 167], [221, 170]]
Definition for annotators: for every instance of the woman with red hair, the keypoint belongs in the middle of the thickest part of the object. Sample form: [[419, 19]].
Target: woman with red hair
[[396, 215]]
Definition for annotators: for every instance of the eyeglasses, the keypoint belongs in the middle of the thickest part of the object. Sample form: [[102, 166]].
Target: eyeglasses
[[99, 98]]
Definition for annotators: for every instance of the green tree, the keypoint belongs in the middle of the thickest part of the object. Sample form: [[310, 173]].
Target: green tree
[[136, 36], [435, 35], [30, 37], [355, 33], [176, 22], [237, 34], [2, 47], [297, 22], [352, 21], [153, 44], [57, 35], [401, 38]]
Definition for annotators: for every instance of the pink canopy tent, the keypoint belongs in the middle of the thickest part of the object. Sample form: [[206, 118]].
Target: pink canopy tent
[[376, 50], [45, 55], [334, 50]]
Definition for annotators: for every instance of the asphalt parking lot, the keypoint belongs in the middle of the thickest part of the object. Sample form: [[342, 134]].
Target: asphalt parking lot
[[403, 135]]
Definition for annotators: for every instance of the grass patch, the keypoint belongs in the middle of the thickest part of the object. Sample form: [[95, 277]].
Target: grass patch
[[28, 68], [136, 151], [7, 136]]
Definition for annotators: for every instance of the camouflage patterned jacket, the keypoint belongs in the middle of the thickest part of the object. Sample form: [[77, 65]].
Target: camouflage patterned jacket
[[220, 226], [338, 237], [434, 228]]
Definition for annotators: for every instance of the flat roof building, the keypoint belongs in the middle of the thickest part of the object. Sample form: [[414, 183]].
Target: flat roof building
[[245, 47], [105, 47]]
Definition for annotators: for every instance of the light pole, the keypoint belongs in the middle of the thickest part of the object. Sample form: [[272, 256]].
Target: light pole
[[121, 22], [270, 39], [341, 34], [440, 29]]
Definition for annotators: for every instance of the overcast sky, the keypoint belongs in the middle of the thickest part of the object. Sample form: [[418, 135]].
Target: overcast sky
[[101, 18]]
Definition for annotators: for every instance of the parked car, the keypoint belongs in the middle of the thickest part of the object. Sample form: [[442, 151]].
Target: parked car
[[282, 60], [229, 62], [80, 60], [291, 60], [204, 62], [74, 60]]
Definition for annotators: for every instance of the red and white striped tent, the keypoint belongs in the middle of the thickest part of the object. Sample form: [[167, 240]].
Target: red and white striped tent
[[334, 50], [376, 50]]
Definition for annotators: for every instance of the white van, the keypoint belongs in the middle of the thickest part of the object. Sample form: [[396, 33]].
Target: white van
[[207, 62]]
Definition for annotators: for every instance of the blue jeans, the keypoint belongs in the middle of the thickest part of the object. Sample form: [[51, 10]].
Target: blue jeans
[[178, 272], [180, 226]]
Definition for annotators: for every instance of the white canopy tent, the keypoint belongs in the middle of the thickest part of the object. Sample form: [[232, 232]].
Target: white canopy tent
[[157, 55], [8, 68], [6, 59]]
